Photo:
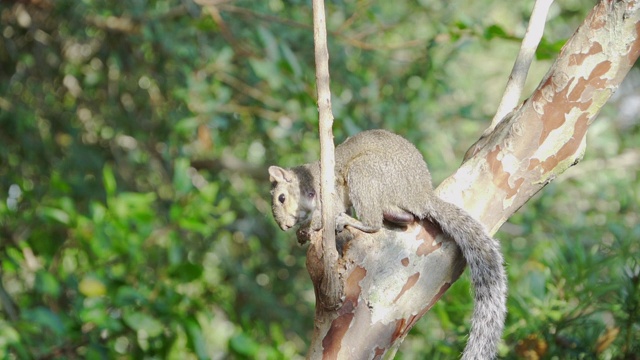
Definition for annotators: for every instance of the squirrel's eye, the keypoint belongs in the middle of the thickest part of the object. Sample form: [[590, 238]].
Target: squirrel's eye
[[311, 194], [281, 198]]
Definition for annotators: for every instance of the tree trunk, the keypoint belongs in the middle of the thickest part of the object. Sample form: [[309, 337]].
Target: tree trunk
[[390, 279]]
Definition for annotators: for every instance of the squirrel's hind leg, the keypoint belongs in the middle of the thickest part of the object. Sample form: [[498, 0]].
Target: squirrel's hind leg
[[398, 217]]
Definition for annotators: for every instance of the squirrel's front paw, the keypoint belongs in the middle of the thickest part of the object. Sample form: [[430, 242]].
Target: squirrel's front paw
[[304, 234], [342, 220]]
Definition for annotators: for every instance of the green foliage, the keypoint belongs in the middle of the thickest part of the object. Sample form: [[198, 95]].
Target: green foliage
[[134, 213]]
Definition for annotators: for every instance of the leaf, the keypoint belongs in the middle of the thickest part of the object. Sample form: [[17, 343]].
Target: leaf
[[9, 337], [140, 321], [195, 225], [549, 50], [495, 31], [47, 284], [196, 339], [187, 126], [134, 206], [241, 344], [127, 295], [45, 318], [94, 312], [266, 70], [270, 43], [181, 179], [209, 192], [98, 212], [55, 214], [186, 272], [109, 180], [461, 24], [91, 287], [291, 60]]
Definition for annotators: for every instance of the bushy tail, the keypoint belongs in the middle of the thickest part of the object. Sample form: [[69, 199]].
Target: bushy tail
[[488, 277]]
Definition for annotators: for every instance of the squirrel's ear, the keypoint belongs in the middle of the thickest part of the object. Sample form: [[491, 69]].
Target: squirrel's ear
[[279, 174]]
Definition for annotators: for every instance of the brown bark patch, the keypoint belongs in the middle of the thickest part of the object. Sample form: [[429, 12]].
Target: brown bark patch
[[554, 115], [501, 177], [595, 80], [411, 281], [405, 262], [427, 235], [571, 146], [578, 59], [555, 111], [533, 163], [400, 329], [332, 341], [404, 325], [352, 287]]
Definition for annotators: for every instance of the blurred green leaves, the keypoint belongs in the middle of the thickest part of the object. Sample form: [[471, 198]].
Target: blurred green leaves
[[144, 323]]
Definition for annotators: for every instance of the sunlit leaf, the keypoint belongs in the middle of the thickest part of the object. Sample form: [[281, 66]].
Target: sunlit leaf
[[244, 345], [140, 321], [91, 287], [46, 283], [10, 339], [181, 177], [55, 214], [109, 180], [196, 338]]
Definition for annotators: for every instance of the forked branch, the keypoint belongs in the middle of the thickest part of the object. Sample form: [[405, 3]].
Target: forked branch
[[391, 279], [518, 75]]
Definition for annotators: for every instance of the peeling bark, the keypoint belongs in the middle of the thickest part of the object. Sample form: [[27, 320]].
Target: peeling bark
[[390, 279]]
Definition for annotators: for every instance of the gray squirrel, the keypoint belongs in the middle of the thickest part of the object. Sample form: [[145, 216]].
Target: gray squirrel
[[382, 176]]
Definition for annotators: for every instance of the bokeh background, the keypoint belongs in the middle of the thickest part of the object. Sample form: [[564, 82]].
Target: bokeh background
[[134, 201]]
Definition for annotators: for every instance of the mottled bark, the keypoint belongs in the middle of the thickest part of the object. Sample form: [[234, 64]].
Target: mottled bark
[[390, 279]]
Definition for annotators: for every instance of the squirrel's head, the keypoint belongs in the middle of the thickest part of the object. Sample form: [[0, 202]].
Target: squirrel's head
[[292, 200]]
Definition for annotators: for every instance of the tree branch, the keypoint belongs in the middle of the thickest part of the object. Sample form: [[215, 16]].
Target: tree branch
[[329, 292], [547, 134], [392, 278], [518, 75]]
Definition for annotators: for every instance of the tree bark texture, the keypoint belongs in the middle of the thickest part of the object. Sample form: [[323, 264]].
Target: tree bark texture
[[390, 279], [329, 253]]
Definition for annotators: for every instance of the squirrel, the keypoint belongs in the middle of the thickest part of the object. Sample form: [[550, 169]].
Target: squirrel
[[383, 176]]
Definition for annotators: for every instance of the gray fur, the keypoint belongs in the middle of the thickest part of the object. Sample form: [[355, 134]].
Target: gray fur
[[382, 176]]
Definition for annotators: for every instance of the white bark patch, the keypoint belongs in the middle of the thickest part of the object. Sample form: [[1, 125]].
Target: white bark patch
[[384, 289]]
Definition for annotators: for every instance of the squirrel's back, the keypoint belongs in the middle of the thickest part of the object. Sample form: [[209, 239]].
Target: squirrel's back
[[384, 171]]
